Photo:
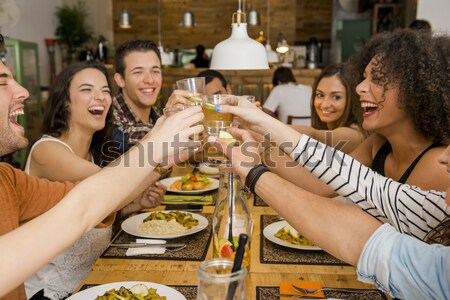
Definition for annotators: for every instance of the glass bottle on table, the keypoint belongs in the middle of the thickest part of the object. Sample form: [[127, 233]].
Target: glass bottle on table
[[231, 217]]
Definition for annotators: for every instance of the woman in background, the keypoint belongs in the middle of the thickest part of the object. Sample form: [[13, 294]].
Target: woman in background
[[77, 124], [288, 98], [335, 111]]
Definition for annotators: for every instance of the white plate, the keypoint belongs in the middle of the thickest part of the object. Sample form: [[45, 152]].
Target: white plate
[[93, 292], [131, 226], [269, 233], [168, 182]]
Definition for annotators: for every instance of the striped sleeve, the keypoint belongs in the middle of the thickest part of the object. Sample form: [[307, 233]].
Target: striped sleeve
[[409, 209]]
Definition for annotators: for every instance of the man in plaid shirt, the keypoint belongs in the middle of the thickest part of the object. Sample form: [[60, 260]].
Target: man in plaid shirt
[[139, 77]]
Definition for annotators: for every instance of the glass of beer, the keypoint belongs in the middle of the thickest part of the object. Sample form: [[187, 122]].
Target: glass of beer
[[210, 102], [194, 85], [212, 156]]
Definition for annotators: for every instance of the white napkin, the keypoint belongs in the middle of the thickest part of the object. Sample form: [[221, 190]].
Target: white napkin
[[146, 250]]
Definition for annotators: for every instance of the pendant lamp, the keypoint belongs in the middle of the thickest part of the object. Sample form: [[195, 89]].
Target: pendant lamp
[[187, 20], [124, 19], [165, 57], [272, 56], [283, 46], [253, 17], [239, 51]]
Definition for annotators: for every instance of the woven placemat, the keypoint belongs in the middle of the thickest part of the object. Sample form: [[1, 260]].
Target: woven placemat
[[189, 291], [258, 201], [271, 253], [273, 293], [196, 246]]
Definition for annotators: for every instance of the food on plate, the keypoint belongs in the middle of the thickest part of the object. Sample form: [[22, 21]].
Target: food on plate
[[136, 292], [290, 235], [208, 170], [190, 182], [174, 222], [226, 137]]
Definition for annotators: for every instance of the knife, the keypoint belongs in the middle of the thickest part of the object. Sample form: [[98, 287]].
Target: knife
[[300, 296], [137, 245]]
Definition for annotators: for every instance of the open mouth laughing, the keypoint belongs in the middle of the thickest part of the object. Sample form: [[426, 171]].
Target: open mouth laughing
[[96, 110], [13, 116], [368, 108]]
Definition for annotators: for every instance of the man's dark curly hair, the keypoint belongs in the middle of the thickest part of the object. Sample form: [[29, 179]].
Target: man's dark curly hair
[[419, 64]]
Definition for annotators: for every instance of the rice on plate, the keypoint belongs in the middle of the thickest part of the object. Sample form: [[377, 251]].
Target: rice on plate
[[162, 227]]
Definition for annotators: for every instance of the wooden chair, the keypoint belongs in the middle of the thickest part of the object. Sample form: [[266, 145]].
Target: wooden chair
[[306, 119]]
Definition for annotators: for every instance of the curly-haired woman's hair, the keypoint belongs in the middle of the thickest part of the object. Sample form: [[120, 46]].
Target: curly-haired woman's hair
[[352, 113], [57, 112], [418, 64]]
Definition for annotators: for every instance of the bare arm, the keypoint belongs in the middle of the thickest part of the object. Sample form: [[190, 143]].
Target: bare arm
[[345, 139], [339, 229], [90, 201]]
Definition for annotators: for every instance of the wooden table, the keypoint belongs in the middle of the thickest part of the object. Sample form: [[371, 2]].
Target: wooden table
[[168, 272]]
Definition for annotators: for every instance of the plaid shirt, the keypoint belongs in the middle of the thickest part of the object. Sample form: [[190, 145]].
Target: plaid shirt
[[128, 123]]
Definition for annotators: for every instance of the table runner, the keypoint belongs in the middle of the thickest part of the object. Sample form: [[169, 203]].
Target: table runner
[[271, 253], [196, 246], [189, 291], [273, 293]]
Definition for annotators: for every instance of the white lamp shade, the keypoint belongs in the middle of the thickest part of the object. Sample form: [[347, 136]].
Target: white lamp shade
[[124, 19], [253, 17], [272, 56], [239, 52], [165, 57], [187, 20]]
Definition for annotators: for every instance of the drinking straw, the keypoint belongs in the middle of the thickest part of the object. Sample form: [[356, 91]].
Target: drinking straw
[[237, 264], [230, 208]]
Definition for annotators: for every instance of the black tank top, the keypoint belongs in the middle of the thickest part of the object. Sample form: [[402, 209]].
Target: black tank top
[[380, 158]]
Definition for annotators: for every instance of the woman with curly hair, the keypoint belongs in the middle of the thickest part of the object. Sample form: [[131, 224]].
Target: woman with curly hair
[[335, 111], [77, 127], [405, 96]]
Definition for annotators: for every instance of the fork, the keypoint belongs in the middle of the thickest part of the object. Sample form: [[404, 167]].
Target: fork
[[314, 291]]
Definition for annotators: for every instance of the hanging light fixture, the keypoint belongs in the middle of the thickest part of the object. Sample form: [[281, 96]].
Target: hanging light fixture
[[253, 17], [124, 19], [165, 57], [239, 51], [272, 56], [283, 46], [187, 20]]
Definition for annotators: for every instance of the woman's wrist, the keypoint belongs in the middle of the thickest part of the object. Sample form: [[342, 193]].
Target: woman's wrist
[[253, 176]]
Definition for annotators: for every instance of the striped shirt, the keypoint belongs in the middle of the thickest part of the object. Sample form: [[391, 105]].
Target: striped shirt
[[408, 208]]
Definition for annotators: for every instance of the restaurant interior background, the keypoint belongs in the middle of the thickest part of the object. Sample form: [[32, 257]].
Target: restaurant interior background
[[338, 25]]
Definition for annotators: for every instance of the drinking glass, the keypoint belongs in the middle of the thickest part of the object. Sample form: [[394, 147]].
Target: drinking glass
[[209, 103], [215, 278], [212, 156], [194, 85], [169, 111]]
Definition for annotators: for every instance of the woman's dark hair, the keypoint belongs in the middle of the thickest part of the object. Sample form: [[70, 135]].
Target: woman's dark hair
[[283, 75], [418, 63], [57, 112], [133, 46], [352, 113]]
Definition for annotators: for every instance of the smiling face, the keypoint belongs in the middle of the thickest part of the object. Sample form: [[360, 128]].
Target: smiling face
[[330, 100], [11, 106], [90, 100], [380, 107], [142, 79]]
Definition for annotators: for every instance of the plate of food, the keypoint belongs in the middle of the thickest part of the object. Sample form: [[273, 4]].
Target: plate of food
[[128, 289], [190, 184], [283, 234], [166, 224]]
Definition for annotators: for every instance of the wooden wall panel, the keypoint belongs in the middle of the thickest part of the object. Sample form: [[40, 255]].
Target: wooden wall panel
[[296, 19]]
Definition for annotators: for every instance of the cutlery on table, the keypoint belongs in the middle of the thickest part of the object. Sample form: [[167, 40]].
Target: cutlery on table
[[300, 296], [139, 245], [314, 291]]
